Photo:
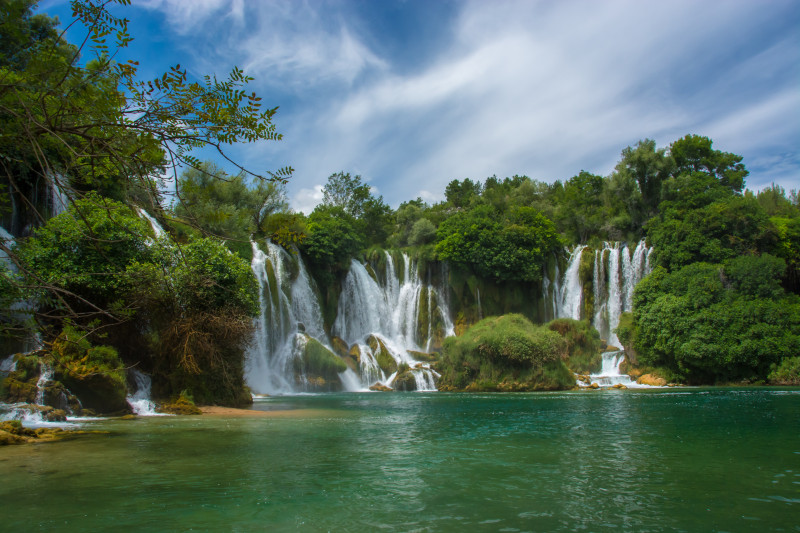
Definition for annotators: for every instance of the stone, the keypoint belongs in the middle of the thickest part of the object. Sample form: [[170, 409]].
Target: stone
[[181, 406], [380, 387], [405, 381], [355, 353], [422, 356], [652, 380], [56, 415], [340, 347], [619, 386], [594, 386]]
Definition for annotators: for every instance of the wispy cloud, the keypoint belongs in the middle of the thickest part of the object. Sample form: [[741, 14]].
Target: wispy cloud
[[539, 88]]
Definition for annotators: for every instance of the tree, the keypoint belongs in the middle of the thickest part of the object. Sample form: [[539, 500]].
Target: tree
[[581, 212], [346, 191], [509, 246], [72, 125], [460, 193], [706, 330], [228, 207], [649, 167], [333, 238], [693, 153]]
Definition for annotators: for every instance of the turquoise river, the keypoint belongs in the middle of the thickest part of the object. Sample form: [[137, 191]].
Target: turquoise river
[[657, 460]]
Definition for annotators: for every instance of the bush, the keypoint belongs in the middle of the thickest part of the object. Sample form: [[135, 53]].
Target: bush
[[583, 344], [505, 353], [707, 331], [786, 373]]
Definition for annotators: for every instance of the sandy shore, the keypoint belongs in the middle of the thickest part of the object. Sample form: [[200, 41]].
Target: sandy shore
[[232, 412]]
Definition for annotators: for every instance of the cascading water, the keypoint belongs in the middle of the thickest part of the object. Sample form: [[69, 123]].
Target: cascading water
[[157, 229], [269, 363], [610, 374], [616, 271], [140, 401], [571, 292], [390, 316]]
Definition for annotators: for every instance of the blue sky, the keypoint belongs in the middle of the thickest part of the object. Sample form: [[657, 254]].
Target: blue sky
[[413, 94]]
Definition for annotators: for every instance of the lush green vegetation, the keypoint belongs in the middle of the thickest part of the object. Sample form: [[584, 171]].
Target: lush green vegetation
[[83, 134], [721, 306], [506, 353]]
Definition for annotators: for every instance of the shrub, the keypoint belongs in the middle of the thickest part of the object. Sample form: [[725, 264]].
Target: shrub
[[508, 351]]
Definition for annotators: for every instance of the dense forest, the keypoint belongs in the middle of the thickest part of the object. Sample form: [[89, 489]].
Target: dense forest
[[84, 150]]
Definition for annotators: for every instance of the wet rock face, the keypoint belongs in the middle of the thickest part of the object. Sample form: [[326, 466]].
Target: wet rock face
[[405, 381], [102, 393]]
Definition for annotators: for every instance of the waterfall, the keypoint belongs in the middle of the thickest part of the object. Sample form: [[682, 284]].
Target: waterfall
[[610, 374], [384, 316], [269, 362], [616, 271], [140, 401], [388, 317], [45, 375], [7, 241], [157, 229], [571, 291], [59, 201]]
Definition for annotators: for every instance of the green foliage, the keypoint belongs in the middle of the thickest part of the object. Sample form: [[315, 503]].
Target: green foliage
[[509, 246], [626, 330], [76, 265], [422, 232], [693, 154], [756, 275], [229, 207], [713, 233], [506, 349], [581, 212], [786, 373], [706, 330], [461, 193], [332, 240], [583, 344]]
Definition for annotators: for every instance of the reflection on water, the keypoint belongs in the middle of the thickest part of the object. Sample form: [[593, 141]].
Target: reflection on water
[[646, 461]]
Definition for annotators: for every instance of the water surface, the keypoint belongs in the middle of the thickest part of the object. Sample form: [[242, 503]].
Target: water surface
[[668, 460]]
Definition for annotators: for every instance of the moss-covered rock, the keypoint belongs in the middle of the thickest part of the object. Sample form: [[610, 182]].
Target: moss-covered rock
[[508, 350], [584, 346], [183, 405], [340, 346], [380, 387], [422, 356], [94, 374], [382, 355], [20, 385], [318, 367], [405, 381], [355, 353]]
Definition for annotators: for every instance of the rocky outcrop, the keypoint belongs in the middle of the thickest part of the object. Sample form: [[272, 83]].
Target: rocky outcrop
[[318, 368], [382, 355], [405, 381], [652, 380]]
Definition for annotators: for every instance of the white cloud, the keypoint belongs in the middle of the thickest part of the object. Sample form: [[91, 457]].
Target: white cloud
[[307, 199], [184, 16], [530, 87]]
